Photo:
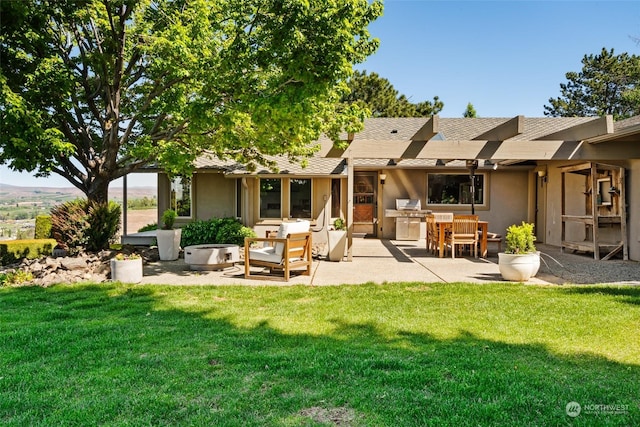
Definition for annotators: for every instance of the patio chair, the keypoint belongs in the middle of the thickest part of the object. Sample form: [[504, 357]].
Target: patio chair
[[289, 250], [433, 229], [464, 231]]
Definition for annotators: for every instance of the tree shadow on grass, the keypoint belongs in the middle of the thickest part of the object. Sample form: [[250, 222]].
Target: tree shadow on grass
[[117, 355], [627, 294]]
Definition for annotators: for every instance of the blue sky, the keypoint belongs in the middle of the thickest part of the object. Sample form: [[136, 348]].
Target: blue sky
[[505, 57]]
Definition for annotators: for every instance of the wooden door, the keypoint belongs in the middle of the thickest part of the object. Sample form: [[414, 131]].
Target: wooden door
[[364, 203]]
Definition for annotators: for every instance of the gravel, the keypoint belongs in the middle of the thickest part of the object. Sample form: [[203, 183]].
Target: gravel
[[581, 268]]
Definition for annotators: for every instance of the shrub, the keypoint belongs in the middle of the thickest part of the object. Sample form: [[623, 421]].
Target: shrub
[[232, 232], [19, 277], [43, 227], [199, 232], [69, 223], [519, 239], [215, 230], [168, 218], [148, 227], [79, 224], [14, 250], [104, 223]]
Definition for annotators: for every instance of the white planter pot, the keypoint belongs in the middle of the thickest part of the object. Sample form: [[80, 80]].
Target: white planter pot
[[126, 270], [169, 244], [518, 268], [337, 242]]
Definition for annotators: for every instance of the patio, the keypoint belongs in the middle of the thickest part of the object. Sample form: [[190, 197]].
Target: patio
[[381, 261]]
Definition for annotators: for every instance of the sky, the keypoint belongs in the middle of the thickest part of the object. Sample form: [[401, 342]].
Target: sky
[[507, 58]]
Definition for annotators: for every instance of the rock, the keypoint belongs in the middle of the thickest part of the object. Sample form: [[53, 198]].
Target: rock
[[83, 267]]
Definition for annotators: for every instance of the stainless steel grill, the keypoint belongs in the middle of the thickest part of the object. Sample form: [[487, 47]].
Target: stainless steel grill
[[407, 214]]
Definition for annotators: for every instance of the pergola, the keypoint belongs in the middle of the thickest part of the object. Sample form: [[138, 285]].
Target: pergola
[[498, 145]]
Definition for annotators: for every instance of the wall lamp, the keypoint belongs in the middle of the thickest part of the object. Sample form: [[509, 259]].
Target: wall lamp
[[383, 178], [543, 174]]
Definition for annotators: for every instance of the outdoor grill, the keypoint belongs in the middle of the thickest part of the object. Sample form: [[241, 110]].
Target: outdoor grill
[[408, 214]]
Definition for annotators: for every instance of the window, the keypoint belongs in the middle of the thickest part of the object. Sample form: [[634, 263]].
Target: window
[[180, 200], [454, 189], [270, 198], [335, 198], [300, 198]]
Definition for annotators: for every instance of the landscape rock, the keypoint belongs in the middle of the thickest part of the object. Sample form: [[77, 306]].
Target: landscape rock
[[84, 267]]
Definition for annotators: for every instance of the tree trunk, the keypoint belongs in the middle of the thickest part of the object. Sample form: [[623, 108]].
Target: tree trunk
[[98, 190]]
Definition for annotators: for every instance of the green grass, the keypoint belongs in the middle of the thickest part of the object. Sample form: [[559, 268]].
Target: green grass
[[392, 355]]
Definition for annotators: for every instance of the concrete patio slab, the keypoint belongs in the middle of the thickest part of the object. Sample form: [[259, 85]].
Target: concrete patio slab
[[374, 261]]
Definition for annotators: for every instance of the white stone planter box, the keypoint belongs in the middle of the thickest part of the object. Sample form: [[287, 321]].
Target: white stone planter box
[[126, 270], [169, 244], [337, 242]]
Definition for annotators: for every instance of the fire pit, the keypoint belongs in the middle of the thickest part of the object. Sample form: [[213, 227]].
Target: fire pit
[[211, 256]]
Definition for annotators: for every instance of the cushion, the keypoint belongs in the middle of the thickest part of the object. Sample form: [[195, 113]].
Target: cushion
[[265, 254], [287, 228]]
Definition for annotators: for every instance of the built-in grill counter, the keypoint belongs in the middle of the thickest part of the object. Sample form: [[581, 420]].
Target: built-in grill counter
[[408, 215]]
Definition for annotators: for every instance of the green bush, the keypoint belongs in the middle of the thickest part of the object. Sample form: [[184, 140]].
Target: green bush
[[231, 231], [79, 224], [43, 227], [148, 227], [215, 230], [104, 222], [14, 250], [69, 223], [520, 239]]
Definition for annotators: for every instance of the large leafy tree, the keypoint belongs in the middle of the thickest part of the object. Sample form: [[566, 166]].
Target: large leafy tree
[[95, 89], [378, 95], [607, 84]]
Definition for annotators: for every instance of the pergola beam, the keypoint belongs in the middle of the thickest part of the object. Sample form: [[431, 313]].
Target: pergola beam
[[506, 130], [428, 130], [597, 127]]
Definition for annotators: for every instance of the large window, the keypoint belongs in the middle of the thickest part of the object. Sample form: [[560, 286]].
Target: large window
[[270, 198], [300, 198], [454, 189], [181, 196]]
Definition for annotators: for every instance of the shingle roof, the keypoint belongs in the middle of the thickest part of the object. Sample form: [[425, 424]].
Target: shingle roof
[[389, 130]]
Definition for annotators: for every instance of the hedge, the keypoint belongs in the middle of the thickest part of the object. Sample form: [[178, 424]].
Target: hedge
[[14, 250]]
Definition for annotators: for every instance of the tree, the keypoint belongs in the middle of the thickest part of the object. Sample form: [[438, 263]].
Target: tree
[[470, 111], [378, 95], [96, 89], [607, 84]]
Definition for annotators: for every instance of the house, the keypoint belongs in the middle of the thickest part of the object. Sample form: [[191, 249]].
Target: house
[[577, 179]]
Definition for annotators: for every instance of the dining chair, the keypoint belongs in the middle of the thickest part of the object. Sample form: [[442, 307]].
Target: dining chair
[[432, 234], [464, 231], [433, 229]]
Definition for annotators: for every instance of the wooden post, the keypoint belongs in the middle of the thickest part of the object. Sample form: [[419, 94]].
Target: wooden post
[[350, 206]]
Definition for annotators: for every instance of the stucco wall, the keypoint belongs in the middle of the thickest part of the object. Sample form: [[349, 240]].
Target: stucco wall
[[508, 197], [215, 196]]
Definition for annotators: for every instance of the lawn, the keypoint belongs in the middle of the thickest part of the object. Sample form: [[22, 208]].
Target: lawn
[[373, 355]]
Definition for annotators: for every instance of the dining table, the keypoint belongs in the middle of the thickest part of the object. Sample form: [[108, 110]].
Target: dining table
[[483, 227]]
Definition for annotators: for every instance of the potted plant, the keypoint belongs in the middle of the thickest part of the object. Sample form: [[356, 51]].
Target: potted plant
[[126, 268], [168, 238], [337, 240], [520, 261]]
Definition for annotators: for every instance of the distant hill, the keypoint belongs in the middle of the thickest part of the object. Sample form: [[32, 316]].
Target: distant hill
[[8, 191]]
